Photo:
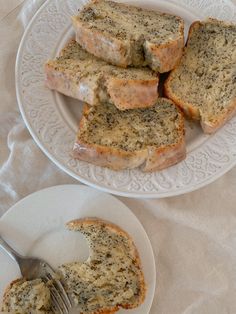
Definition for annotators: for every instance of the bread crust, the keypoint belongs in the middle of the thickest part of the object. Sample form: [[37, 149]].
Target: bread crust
[[104, 311], [103, 156], [6, 292], [164, 157], [74, 224], [97, 43], [62, 82], [150, 159], [112, 158], [124, 93], [132, 94], [163, 58], [189, 109], [186, 107], [211, 127], [159, 57]]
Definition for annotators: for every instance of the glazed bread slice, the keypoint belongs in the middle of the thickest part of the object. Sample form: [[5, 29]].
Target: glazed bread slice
[[27, 297], [152, 138], [204, 84], [78, 74], [112, 277], [126, 35]]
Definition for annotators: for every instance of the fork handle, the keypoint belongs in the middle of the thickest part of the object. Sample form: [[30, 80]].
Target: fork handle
[[9, 250]]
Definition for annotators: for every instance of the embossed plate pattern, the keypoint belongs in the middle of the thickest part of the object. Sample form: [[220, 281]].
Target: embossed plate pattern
[[51, 118]]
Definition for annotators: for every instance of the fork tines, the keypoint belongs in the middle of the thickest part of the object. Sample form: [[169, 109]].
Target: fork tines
[[60, 300]]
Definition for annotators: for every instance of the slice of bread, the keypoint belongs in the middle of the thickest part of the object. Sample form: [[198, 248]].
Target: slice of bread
[[204, 84], [152, 138], [126, 35], [27, 297], [112, 277], [78, 74]]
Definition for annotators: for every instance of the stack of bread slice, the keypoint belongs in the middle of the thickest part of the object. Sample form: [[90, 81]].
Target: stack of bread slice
[[126, 35], [114, 66], [78, 74]]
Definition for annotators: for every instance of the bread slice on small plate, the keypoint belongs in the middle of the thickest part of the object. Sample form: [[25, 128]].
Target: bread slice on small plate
[[152, 138], [112, 277], [126, 35], [204, 83], [24, 296], [78, 74]]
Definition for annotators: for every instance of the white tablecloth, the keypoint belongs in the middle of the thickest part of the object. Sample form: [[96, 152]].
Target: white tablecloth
[[193, 235]]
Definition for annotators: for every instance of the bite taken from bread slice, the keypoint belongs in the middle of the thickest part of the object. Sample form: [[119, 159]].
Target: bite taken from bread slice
[[152, 138], [78, 74], [204, 83], [112, 277], [126, 35]]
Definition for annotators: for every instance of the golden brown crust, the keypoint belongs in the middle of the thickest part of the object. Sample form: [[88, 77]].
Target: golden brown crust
[[161, 58], [88, 221], [163, 157], [103, 156], [133, 94], [189, 109], [96, 42], [150, 158], [105, 311], [62, 82], [141, 91], [193, 26], [167, 55], [211, 127], [108, 157], [74, 224]]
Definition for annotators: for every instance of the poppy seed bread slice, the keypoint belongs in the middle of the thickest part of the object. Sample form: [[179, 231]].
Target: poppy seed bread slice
[[78, 74], [112, 277], [204, 83], [27, 297], [126, 35], [152, 138]]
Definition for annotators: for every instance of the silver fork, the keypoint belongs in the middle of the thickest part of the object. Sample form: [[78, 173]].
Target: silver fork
[[32, 268]]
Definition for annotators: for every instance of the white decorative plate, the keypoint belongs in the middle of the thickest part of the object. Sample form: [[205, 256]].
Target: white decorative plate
[[36, 226], [52, 118]]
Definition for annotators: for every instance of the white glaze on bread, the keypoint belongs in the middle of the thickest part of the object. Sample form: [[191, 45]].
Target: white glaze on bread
[[80, 75], [152, 138], [126, 35]]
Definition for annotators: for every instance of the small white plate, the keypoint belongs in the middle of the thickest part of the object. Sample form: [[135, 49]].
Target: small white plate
[[36, 226]]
